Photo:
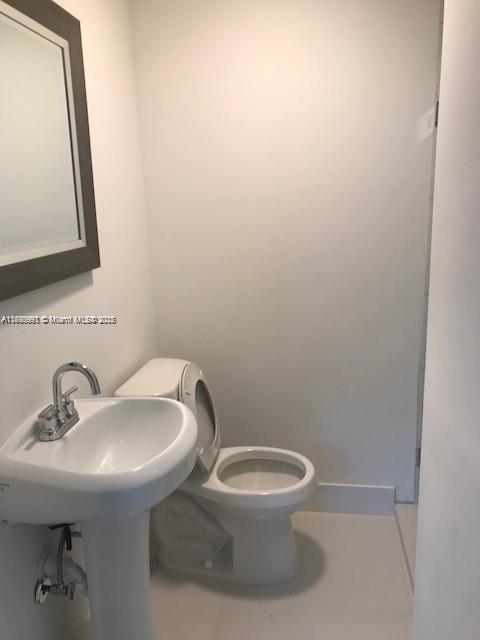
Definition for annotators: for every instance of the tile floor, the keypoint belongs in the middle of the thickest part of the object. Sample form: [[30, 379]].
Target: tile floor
[[407, 519], [352, 585]]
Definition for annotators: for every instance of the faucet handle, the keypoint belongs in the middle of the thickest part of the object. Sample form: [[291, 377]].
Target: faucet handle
[[47, 413], [46, 421], [66, 394], [68, 401]]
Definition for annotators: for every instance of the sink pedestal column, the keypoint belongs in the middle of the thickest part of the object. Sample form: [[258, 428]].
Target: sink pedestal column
[[118, 571]]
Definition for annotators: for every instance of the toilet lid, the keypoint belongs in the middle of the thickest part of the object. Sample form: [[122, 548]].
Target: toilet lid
[[195, 394]]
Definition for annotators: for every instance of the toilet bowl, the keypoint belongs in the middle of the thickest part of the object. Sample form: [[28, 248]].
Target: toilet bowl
[[231, 517]]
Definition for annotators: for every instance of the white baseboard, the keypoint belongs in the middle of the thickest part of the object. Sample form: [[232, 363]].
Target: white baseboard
[[352, 498]]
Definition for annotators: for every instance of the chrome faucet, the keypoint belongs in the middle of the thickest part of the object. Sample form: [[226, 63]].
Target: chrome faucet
[[60, 416]]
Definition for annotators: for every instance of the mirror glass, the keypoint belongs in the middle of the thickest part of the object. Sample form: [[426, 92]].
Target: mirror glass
[[40, 191]]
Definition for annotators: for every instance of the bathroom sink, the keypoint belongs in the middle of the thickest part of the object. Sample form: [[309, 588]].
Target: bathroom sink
[[122, 457]]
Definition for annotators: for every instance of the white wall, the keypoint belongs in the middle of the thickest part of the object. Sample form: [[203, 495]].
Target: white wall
[[447, 583], [288, 152], [122, 286]]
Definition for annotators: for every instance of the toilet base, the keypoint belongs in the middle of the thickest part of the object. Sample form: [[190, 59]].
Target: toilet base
[[263, 549], [253, 546]]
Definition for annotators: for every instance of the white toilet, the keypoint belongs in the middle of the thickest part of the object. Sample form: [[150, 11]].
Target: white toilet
[[231, 517]]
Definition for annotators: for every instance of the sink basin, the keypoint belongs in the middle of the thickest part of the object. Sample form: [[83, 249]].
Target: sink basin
[[122, 457]]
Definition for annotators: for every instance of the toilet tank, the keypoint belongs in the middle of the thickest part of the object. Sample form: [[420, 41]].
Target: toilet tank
[[159, 377]]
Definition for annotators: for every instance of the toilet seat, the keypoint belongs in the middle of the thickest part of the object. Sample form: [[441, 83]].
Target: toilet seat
[[195, 394], [269, 478]]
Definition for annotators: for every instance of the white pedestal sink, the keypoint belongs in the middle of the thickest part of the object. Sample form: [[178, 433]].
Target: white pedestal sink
[[122, 457]]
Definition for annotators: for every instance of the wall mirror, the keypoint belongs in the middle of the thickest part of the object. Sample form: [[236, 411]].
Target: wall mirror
[[48, 228]]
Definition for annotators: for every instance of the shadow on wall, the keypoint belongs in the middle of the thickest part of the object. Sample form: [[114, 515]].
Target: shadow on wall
[[312, 565]]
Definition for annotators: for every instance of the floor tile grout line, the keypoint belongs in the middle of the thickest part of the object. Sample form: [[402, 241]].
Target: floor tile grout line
[[406, 563], [216, 624]]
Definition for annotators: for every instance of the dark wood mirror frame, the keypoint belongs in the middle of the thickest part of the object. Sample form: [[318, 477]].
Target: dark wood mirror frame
[[20, 277]]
